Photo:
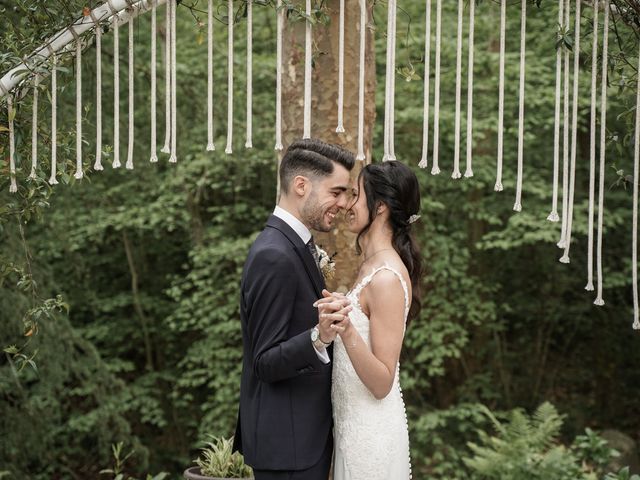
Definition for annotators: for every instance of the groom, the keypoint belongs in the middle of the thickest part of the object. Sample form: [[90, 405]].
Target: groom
[[285, 421]]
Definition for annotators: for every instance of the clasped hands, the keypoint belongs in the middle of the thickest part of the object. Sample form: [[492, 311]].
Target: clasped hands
[[333, 315]]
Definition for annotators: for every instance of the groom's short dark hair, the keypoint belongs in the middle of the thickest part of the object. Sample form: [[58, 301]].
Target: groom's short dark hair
[[312, 157]]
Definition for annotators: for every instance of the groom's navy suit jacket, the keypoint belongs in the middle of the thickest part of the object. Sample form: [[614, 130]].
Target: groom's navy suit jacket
[[285, 415]]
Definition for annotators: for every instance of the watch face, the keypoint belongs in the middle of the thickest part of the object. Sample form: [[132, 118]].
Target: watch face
[[314, 334]]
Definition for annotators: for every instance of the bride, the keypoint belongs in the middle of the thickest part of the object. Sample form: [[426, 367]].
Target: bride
[[371, 434]]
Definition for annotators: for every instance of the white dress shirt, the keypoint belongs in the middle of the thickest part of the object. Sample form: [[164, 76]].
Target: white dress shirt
[[305, 235]]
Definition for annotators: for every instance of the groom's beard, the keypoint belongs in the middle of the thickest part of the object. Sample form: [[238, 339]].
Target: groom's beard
[[314, 215]]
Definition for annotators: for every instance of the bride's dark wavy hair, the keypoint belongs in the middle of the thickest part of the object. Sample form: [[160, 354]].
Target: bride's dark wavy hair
[[396, 186]]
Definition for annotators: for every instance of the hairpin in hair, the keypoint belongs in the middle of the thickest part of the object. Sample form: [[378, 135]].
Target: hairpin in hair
[[412, 219]]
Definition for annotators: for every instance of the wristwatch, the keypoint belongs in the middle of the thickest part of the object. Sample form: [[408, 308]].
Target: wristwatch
[[315, 339]]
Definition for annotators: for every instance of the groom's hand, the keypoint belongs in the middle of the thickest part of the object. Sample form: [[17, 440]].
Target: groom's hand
[[334, 308]]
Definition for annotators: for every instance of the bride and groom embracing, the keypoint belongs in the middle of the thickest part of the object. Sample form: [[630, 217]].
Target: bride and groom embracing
[[319, 368]]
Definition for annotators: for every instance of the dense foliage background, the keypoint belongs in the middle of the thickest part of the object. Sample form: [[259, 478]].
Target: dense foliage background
[[118, 293]]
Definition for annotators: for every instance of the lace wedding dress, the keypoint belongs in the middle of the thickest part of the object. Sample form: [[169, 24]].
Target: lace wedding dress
[[371, 436]]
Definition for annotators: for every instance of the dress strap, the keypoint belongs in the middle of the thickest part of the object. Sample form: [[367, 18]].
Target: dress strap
[[366, 280]]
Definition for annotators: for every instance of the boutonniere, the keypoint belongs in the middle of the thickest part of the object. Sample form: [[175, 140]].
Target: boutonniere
[[326, 263]]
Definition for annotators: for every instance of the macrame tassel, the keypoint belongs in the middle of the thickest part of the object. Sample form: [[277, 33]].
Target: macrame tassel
[[456, 147], [174, 123], [565, 133], [340, 127], [503, 24], [363, 38], [517, 206], [636, 172], [210, 143], [574, 133], [249, 142], [79, 174], [387, 83], [54, 119], [230, 14], [166, 148], [34, 129], [153, 158], [98, 163], [425, 102], [435, 169], [603, 148], [116, 93], [129, 164], [392, 92], [469, 171], [13, 187], [553, 216], [307, 73], [592, 146], [279, 32]]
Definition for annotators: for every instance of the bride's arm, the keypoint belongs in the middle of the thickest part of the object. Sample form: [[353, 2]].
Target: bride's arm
[[383, 298]]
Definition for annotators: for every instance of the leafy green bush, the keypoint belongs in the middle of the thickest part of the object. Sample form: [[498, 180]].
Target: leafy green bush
[[526, 447]]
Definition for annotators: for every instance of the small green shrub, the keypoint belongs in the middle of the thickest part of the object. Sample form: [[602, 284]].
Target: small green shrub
[[218, 460]]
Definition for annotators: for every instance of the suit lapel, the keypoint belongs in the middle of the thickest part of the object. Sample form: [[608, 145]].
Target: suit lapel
[[301, 250]]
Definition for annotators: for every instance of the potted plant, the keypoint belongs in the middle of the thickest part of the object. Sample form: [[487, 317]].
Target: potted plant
[[218, 462]]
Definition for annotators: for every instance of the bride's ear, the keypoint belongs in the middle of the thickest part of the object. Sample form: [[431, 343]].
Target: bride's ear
[[381, 208]]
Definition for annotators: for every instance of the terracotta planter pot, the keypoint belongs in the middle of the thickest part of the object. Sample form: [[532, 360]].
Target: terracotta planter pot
[[193, 473]]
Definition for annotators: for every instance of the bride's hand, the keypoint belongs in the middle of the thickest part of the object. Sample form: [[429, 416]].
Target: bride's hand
[[331, 310], [330, 297]]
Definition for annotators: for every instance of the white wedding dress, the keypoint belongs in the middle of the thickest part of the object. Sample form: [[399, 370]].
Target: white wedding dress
[[371, 436]]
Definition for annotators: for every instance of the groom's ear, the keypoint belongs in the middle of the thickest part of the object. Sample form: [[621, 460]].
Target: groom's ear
[[300, 185]]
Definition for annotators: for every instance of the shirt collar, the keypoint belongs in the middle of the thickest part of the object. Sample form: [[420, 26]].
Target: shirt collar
[[297, 226]]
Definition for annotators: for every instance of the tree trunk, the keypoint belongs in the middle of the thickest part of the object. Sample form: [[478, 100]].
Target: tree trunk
[[324, 108]]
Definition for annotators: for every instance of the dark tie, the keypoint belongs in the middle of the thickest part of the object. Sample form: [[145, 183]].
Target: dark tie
[[314, 252]]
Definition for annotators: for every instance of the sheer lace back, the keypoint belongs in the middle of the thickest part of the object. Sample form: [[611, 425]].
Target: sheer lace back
[[371, 435]]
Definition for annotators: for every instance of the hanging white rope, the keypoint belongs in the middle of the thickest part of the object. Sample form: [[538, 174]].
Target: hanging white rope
[[98, 29], [603, 148], [174, 123], [307, 73], [435, 169], [249, 142], [592, 145], [363, 38], [153, 157], [456, 144], [279, 32], [79, 174], [553, 216], [13, 187], [387, 83], [34, 129], [340, 127], [64, 38], [574, 133], [565, 132], [210, 143], [230, 15], [116, 93], [129, 164], [503, 23], [472, 12], [517, 206], [166, 148], [636, 172], [54, 120], [392, 92], [425, 101]]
